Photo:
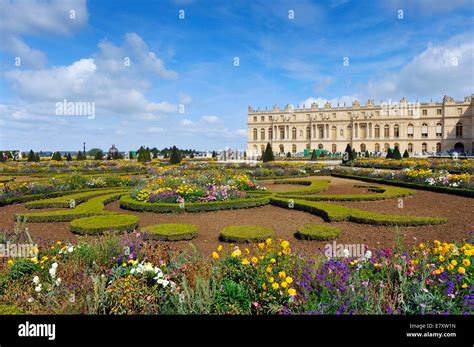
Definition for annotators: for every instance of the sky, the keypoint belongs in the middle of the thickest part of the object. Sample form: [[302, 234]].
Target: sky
[[160, 73]]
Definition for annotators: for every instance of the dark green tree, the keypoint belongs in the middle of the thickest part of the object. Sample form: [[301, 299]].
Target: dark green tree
[[79, 156], [396, 154], [288, 155], [68, 157], [93, 152], [347, 155], [37, 158], [268, 154], [313, 155], [214, 154], [389, 154], [3, 157], [31, 156], [175, 156], [99, 155], [57, 156], [405, 154], [367, 153]]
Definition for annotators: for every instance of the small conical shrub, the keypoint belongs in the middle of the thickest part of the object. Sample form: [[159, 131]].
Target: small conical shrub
[[57, 156], [175, 156], [313, 155], [396, 154], [68, 157], [389, 154], [31, 156], [268, 154], [367, 153], [405, 154], [99, 155], [347, 155], [37, 158]]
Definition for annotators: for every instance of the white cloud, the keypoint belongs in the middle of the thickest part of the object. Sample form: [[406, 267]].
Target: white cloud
[[186, 122], [210, 119], [34, 17], [15, 46], [184, 98], [321, 101], [92, 80]]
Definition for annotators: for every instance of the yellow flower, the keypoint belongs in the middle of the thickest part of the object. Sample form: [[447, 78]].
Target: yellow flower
[[10, 262], [285, 244], [464, 285], [261, 245], [466, 262], [247, 251], [236, 253], [292, 292], [254, 260], [436, 272], [284, 284], [282, 274], [215, 255], [422, 245], [53, 248], [275, 285], [461, 270], [219, 248], [264, 286], [450, 267], [273, 261], [279, 254], [59, 243], [436, 242], [268, 242], [289, 280], [454, 262], [124, 264], [269, 268], [245, 261], [271, 280], [441, 258]]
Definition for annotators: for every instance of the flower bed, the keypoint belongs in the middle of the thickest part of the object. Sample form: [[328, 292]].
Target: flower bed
[[453, 166], [312, 186], [245, 233], [170, 232], [317, 232]]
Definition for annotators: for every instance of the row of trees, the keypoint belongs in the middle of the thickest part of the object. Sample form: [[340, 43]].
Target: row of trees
[[350, 154]]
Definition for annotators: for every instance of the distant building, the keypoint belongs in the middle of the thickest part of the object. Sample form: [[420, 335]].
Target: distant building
[[113, 152], [420, 128]]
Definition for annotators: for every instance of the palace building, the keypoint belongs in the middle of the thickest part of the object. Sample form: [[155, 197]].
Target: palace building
[[421, 128]]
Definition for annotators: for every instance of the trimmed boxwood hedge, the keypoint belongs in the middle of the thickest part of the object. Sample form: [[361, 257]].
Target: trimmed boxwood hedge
[[127, 202], [170, 232], [317, 232], [312, 186], [97, 225], [63, 201], [437, 189], [334, 213], [380, 193], [94, 206], [245, 233]]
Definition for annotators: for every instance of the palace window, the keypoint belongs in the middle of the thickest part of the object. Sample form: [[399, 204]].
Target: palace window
[[321, 131], [270, 133], [282, 149], [438, 111], [410, 148], [363, 147], [459, 111], [396, 145], [262, 134], [270, 118], [293, 148], [334, 148], [438, 147], [320, 146], [410, 113], [308, 147], [377, 147], [424, 112], [458, 129], [262, 148], [386, 147], [333, 132], [255, 132], [377, 132], [386, 131], [308, 132], [424, 147], [255, 119], [396, 130], [439, 130], [262, 118], [424, 130], [293, 133], [377, 113], [410, 130]]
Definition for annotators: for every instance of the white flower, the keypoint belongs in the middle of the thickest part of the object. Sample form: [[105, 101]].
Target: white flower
[[164, 283], [30, 299], [52, 272], [58, 281], [368, 254], [36, 280], [70, 249], [54, 265], [38, 287]]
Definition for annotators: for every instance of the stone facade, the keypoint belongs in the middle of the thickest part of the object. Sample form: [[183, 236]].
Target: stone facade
[[421, 128]]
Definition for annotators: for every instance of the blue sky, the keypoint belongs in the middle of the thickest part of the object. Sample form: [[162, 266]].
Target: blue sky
[[182, 86]]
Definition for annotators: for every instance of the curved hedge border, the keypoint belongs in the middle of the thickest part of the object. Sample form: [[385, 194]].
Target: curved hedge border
[[447, 190], [63, 201], [335, 213], [128, 203], [170, 232], [94, 206], [388, 192], [97, 225], [317, 232], [312, 186], [245, 233]]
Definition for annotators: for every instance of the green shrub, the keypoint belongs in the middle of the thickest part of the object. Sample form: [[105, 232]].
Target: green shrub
[[21, 267], [379, 193], [334, 213], [96, 225], [317, 232], [268, 154], [10, 310], [94, 206], [170, 232], [312, 186], [245, 233], [175, 156], [64, 201], [127, 202]]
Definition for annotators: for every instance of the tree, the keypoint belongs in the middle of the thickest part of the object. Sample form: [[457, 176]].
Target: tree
[[3, 157], [214, 154], [37, 158], [389, 154], [93, 152], [396, 154], [99, 155], [347, 156], [288, 155], [31, 156], [68, 157], [144, 155], [245, 154], [313, 155], [268, 154], [57, 156], [79, 156], [405, 154], [367, 153], [175, 157]]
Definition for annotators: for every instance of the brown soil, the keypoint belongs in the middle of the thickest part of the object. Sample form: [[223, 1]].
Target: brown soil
[[457, 209]]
